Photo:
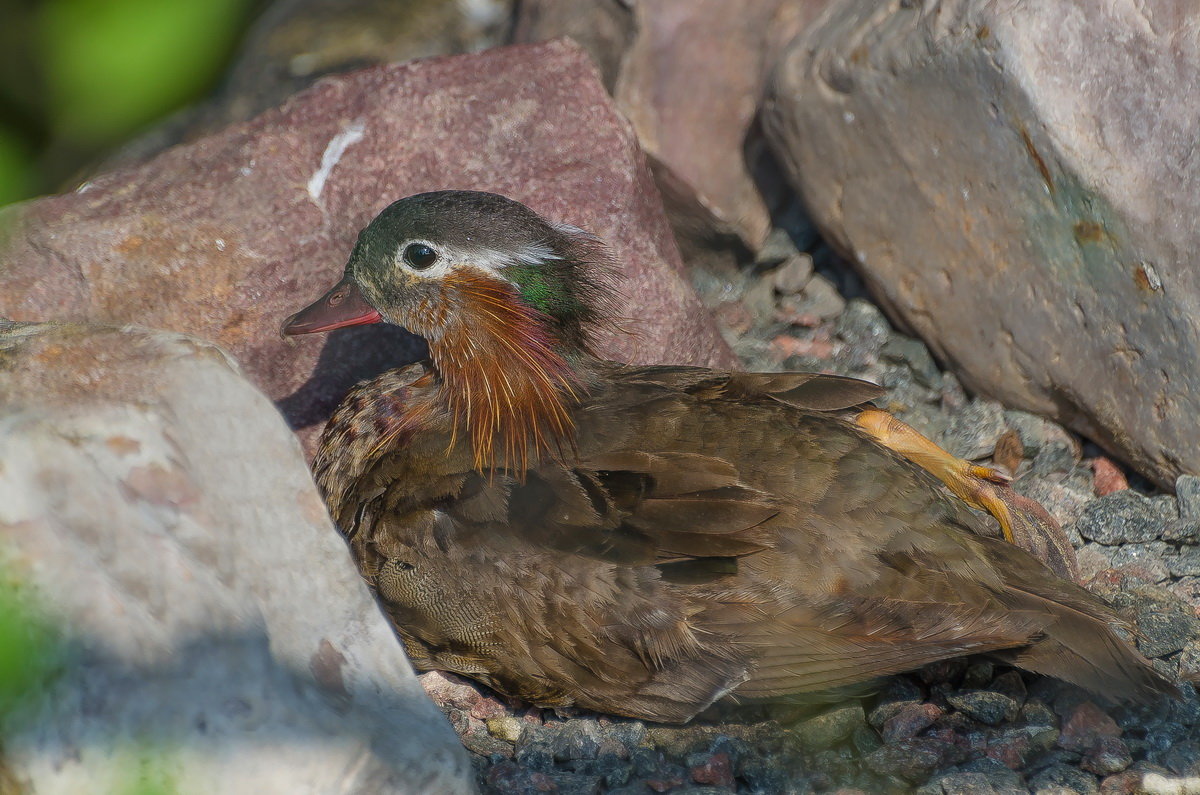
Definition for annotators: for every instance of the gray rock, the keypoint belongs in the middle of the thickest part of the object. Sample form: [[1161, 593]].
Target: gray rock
[[1186, 563], [576, 739], [793, 275], [1187, 492], [1182, 531], [1109, 755], [1039, 188], [864, 325], [819, 298], [831, 727], [1165, 623], [1120, 517], [778, 250], [1147, 562], [977, 777], [212, 625], [913, 760], [985, 706], [1060, 778], [973, 432], [914, 354]]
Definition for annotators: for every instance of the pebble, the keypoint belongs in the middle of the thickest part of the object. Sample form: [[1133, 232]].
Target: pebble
[[912, 719], [974, 431], [1121, 517], [505, 728], [862, 324], [793, 275], [1108, 477], [1108, 755], [912, 760], [777, 248], [1187, 492], [830, 728], [986, 706], [1062, 778], [913, 354], [1185, 563], [1145, 562], [819, 298]]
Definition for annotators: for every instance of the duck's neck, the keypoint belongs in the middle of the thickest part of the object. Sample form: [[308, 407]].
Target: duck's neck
[[507, 380]]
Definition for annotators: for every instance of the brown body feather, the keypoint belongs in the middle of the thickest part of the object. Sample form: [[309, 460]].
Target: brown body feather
[[708, 535]]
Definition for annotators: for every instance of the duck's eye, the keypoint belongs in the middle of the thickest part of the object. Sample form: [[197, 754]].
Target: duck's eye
[[419, 255]]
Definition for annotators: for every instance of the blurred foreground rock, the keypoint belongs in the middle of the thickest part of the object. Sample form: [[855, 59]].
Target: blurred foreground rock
[[225, 237], [1019, 184], [213, 626], [689, 74]]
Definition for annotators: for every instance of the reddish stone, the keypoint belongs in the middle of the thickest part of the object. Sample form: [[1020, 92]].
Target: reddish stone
[[227, 236], [717, 770], [1107, 477], [911, 720], [1009, 750], [1084, 726], [1125, 783], [664, 784], [689, 75], [785, 346], [734, 316]]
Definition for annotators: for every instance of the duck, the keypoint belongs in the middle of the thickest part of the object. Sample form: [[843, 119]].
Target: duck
[[648, 541]]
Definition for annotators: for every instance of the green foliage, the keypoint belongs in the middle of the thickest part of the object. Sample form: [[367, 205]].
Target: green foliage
[[113, 65], [29, 653], [17, 169]]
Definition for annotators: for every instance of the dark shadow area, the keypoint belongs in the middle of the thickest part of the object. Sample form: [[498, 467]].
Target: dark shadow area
[[349, 356]]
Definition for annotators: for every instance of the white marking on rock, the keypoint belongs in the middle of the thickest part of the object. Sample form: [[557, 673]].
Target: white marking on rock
[[337, 146]]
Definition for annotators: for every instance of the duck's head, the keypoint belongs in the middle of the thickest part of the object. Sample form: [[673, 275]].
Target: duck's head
[[506, 300], [436, 261]]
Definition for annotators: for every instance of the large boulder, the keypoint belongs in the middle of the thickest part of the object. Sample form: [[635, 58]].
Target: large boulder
[[207, 621], [1019, 184], [225, 237], [689, 74]]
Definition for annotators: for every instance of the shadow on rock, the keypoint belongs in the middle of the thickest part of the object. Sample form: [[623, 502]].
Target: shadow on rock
[[349, 356]]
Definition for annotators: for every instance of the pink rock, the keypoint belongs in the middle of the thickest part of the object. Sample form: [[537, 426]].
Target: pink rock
[[689, 74], [1107, 477], [911, 720], [717, 770], [226, 236], [1085, 726]]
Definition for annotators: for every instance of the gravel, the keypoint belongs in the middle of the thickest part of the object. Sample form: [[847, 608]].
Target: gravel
[[960, 726]]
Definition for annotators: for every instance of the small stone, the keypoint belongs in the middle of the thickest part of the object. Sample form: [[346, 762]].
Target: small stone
[[1187, 492], [1108, 755], [1010, 749], [1093, 558], [1182, 531], [973, 432], [1035, 432], [830, 728], [1012, 685], [1145, 562], [915, 355], [1037, 713], [778, 247], [819, 298], [1063, 778], [1107, 476], [506, 728], [1056, 458], [578, 738], [986, 706], [1120, 517], [1187, 589], [1189, 661], [886, 710], [1165, 623], [511, 777], [785, 346], [1084, 725], [978, 674], [716, 770], [909, 721], [733, 315], [1183, 759], [950, 670], [864, 325], [978, 777], [1184, 564], [913, 760], [759, 300], [793, 275]]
